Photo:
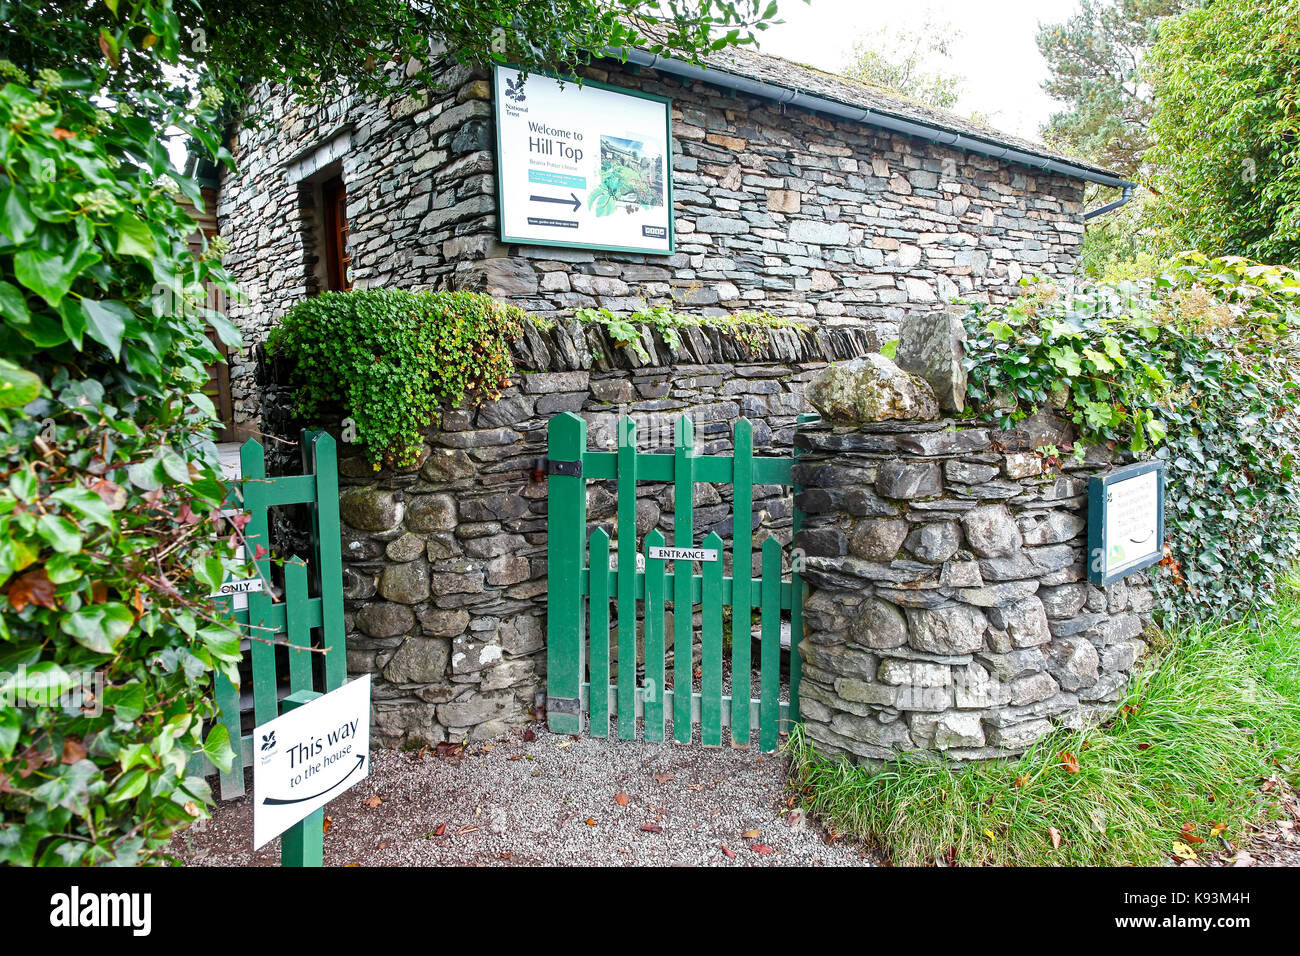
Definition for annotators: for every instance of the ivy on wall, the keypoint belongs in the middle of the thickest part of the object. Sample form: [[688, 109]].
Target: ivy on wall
[[1200, 367], [393, 358]]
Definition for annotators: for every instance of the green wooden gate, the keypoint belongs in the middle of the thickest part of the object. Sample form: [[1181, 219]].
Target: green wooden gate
[[578, 566], [286, 626]]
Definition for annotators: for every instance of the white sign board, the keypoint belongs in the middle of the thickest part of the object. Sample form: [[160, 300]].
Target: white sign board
[[307, 757], [1131, 520], [587, 166], [684, 554]]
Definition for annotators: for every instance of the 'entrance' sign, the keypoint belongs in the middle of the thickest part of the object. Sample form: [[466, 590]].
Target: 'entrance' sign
[[1126, 521], [684, 554], [584, 165], [309, 756]]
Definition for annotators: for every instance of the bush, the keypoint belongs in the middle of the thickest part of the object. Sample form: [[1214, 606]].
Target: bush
[[110, 534], [1201, 368], [393, 359]]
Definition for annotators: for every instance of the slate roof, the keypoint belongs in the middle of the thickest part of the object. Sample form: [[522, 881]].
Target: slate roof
[[787, 74]]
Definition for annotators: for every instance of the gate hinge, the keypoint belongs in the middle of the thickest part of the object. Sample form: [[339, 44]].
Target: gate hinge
[[564, 705], [570, 469]]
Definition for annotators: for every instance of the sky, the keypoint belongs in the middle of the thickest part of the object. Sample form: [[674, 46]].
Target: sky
[[994, 50]]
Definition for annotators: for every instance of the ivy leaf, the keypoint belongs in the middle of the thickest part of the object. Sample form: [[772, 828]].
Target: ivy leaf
[[49, 274], [134, 237], [217, 748], [59, 533], [106, 323], [17, 385], [98, 627], [11, 722], [87, 503]]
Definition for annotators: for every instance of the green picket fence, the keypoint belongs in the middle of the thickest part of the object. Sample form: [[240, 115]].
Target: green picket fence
[[579, 668], [286, 640]]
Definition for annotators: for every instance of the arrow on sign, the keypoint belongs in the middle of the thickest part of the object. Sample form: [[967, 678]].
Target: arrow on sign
[[277, 802], [574, 200]]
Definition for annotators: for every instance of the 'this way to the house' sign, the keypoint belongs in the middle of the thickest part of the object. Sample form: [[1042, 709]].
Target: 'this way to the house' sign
[[587, 166], [308, 756], [1126, 521]]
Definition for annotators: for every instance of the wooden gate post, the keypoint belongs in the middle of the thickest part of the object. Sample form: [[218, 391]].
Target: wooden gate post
[[566, 525]]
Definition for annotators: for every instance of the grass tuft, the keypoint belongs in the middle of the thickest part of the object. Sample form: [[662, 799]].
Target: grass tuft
[[1199, 730]]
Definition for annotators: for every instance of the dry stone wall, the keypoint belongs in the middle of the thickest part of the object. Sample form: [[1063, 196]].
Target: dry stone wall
[[949, 607], [445, 562]]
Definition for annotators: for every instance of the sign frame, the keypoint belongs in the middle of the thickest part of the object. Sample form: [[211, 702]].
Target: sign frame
[[563, 244], [1098, 486]]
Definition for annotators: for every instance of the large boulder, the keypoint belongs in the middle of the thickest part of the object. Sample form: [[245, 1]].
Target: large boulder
[[871, 389], [931, 345]]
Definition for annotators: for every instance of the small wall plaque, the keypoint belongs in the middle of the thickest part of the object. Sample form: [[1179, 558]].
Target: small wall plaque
[[1126, 521]]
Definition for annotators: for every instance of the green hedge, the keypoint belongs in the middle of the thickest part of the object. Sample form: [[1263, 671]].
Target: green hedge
[[1201, 368], [394, 358]]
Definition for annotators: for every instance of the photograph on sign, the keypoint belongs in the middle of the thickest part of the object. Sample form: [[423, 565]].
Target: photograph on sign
[[587, 165], [305, 758]]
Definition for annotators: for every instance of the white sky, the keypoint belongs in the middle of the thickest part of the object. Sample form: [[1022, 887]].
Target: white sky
[[995, 51]]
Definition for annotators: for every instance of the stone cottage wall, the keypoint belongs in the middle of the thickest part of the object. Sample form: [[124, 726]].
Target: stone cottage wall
[[949, 607], [445, 562], [776, 209]]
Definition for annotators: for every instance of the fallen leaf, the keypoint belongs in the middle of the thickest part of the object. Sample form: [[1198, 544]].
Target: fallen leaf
[[467, 828], [728, 852], [566, 743], [651, 828], [590, 822], [622, 799], [1055, 834], [1144, 746], [503, 856], [989, 833], [440, 829], [529, 736], [762, 848], [664, 778], [750, 834], [73, 750], [325, 826], [33, 587], [1069, 761], [1183, 851], [373, 802], [1022, 780], [697, 787]]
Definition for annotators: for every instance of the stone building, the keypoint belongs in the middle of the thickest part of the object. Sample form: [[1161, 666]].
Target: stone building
[[795, 192]]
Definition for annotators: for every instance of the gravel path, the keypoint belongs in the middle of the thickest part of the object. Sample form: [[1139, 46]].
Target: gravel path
[[537, 798]]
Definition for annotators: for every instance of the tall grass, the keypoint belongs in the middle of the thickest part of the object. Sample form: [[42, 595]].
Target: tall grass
[[1198, 731]]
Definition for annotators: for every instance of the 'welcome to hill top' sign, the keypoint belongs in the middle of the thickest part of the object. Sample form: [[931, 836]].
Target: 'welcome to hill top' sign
[[587, 166]]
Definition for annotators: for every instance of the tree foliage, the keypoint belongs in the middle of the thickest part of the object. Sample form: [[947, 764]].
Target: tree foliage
[[314, 46], [1096, 62], [909, 62], [1226, 129]]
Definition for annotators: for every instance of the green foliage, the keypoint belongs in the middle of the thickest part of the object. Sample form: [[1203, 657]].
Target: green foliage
[[1096, 59], [394, 358], [110, 533], [912, 63], [626, 331], [1226, 151], [1200, 367], [316, 46], [1194, 737]]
